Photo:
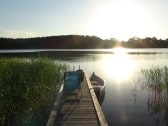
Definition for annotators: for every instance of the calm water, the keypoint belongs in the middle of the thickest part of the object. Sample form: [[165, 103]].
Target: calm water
[[123, 105]]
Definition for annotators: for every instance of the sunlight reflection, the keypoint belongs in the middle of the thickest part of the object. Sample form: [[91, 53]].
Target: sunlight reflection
[[120, 50], [118, 66]]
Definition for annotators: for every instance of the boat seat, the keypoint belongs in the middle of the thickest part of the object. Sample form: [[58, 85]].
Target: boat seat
[[94, 83]]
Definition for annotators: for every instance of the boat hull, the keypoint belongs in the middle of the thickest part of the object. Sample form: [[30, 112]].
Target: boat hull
[[98, 86]]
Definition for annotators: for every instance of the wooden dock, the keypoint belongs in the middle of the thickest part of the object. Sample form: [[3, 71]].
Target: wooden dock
[[77, 110]]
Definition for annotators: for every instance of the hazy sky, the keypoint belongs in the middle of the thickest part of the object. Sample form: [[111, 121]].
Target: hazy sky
[[120, 19]]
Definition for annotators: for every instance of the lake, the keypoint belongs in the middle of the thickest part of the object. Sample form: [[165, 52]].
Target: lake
[[126, 100]]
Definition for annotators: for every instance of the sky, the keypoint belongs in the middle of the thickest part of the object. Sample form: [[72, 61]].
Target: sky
[[120, 19]]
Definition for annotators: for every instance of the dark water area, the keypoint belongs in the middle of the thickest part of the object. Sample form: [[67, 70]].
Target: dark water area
[[127, 101]]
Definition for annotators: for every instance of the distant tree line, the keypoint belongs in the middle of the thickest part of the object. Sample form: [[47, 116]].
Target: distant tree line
[[147, 42], [79, 42]]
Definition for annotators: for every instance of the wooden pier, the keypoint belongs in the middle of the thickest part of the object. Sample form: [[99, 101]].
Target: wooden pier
[[77, 110]]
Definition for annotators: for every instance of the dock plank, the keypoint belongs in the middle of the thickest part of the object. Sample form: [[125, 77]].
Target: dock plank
[[76, 110]]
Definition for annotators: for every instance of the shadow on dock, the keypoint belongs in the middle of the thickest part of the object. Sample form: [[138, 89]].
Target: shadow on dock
[[77, 109]]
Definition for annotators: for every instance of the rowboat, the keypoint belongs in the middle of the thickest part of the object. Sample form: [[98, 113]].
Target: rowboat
[[98, 86]]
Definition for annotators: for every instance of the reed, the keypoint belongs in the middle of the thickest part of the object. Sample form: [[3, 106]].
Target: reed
[[155, 80], [27, 89], [155, 75]]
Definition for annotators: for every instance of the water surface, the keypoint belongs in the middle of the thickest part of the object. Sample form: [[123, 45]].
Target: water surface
[[123, 105]]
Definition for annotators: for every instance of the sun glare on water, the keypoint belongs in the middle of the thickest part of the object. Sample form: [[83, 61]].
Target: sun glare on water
[[119, 50], [119, 65]]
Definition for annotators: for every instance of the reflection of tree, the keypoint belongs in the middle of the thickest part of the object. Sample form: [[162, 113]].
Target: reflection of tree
[[155, 80]]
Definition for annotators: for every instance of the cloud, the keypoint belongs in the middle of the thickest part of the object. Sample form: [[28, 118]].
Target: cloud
[[17, 34]]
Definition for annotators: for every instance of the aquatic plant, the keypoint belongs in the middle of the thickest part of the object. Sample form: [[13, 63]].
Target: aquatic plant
[[155, 80], [27, 89]]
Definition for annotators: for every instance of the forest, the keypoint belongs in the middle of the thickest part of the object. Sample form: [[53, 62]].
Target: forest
[[80, 42]]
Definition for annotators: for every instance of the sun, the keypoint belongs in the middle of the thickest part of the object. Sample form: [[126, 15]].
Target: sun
[[119, 19]]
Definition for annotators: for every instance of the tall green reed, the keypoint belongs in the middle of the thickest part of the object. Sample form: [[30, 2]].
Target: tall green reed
[[155, 80], [27, 88]]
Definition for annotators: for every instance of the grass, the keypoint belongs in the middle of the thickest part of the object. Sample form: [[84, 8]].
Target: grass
[[27, 90], [155, 76], [155, 80]]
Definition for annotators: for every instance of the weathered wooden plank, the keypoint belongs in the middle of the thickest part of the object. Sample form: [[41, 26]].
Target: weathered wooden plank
[[99, 112], [80, 123], [77, 110]]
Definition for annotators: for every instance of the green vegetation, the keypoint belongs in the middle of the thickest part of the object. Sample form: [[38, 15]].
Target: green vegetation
[[80, 42], [155, 80], [155, 76], [27, 90]]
